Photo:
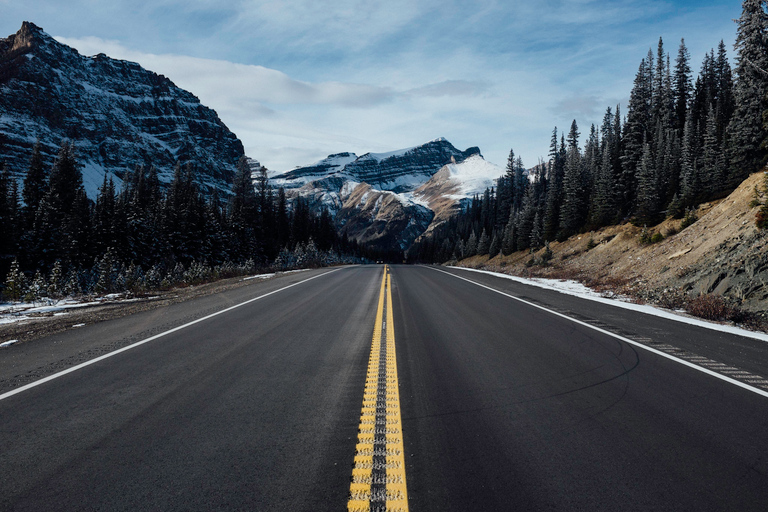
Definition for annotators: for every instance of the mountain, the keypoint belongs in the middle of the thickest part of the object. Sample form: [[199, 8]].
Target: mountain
[[117, 114], [388, 200], [396, 171], [453, 184]]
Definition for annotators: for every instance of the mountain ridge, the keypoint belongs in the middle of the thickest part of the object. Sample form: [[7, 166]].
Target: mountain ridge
[[384, 199], [115, 112]]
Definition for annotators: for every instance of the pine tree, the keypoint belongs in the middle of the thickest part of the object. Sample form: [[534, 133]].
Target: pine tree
[[495, 247], [554, 191], [35, 186], [470, 249], [746, 131], [648, 204], [683, 85], [483, 244], [575, 203], [15, 282], [689, 176]]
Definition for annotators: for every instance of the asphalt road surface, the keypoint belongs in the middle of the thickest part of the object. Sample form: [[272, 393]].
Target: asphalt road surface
[[555, 403]]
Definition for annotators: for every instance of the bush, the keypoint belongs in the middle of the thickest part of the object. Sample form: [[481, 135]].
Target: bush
[[710, 307], [690, 218]]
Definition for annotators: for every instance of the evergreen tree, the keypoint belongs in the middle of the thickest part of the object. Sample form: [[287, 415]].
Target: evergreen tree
[[647, 210], [470, 249], [575, 202], [683, 85], [35, 186], [483, 244], [556, 170], [746, 131]]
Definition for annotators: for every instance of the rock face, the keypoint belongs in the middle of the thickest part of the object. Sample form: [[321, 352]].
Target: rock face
[[453, 184], [388, 200], [396, 171], [117, 114]]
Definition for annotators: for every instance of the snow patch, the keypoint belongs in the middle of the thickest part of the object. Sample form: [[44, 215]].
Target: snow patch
[[474, 175], [579, 290], [8, 343]]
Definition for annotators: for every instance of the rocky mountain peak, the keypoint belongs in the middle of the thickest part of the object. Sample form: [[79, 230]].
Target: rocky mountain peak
[[117, 114]]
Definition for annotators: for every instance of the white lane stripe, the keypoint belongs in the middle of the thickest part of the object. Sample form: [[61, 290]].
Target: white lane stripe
[[618, 337], [147, 340]]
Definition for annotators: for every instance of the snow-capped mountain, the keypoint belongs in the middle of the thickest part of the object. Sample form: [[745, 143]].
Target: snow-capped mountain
[[390, 199], [396, 171], [445, 191], [117, 114]]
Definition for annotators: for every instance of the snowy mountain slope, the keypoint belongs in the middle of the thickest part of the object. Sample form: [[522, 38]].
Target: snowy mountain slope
[[396, 171], [116, 113], [390, 199], [445, 191]]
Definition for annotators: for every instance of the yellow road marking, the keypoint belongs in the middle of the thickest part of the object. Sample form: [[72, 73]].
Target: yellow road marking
[[378, 474]]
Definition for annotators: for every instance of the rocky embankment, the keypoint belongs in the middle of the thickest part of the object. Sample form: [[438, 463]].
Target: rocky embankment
[[718, 264]]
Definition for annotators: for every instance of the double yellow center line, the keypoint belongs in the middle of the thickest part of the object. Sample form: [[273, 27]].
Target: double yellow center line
[[378, 474]]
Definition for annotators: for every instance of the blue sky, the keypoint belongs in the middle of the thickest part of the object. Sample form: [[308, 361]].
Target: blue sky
[[297, 80]]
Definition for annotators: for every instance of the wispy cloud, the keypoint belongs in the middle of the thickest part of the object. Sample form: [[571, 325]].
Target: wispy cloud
[[298, 79]]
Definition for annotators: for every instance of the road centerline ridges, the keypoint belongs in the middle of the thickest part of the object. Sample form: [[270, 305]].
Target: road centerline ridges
[[378, 473]]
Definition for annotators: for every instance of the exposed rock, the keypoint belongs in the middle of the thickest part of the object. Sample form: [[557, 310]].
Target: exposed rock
[[382, 219], [117, 114], [388, 200]]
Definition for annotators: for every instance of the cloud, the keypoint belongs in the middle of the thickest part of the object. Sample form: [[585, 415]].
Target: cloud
[[239, 83], [299, 79], [450, 88], [586, 106]]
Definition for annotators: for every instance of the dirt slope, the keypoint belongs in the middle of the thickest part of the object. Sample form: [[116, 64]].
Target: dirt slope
[[723, 253]]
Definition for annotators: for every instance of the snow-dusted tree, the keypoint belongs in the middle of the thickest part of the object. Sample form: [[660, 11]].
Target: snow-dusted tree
[[471, 247], [484, 243], [56, 280], [15, 282], [38, 287], [495, 247]]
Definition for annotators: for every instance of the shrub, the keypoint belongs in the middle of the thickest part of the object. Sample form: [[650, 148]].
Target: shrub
[[710, 307], [690, 218]]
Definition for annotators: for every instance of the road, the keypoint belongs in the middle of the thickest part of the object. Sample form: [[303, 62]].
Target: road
[[504, 405]]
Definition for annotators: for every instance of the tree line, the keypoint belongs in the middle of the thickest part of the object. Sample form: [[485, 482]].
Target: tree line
[[681, 143], [150, 232]]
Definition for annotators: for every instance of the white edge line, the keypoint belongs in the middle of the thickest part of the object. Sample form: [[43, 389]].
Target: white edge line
[[638, 308], [147, 340], [618, 337]]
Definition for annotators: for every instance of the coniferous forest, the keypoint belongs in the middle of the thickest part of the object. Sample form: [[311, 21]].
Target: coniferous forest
[[148, 235], [680, 143]]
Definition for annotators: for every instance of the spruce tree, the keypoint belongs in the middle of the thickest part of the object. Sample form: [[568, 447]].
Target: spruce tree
[[573, 211], [35, 186], [648, 203], [553, 202], [747, 132], [683, 85]]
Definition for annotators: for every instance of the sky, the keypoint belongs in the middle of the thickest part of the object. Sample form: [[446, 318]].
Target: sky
[[298, 80]]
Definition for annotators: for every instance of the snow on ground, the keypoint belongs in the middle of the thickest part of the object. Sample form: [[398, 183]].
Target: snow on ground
[[383, 156], [409, 197], [20, 311], [579, 290]]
